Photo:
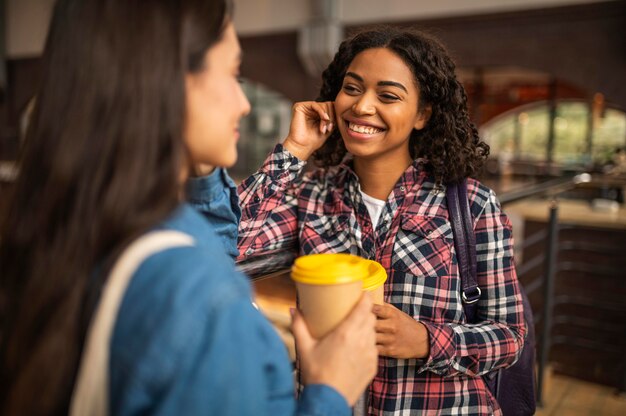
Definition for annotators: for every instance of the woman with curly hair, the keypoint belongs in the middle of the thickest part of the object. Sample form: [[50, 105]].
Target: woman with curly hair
[[389, 131], [136, 97]]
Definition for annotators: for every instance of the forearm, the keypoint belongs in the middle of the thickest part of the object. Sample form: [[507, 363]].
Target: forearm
[[279, 171], [472, 349], [269, 205]]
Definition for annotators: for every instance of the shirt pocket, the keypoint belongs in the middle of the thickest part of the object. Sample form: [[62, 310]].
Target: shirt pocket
[[423, 246], [327, 234]]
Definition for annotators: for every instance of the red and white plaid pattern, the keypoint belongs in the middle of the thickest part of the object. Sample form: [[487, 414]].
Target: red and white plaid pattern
[[322, 211]]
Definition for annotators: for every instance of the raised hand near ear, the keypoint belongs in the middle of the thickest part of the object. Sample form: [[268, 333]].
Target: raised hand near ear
[[311, 124]]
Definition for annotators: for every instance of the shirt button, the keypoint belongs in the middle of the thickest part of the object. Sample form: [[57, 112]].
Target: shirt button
[[402, 188], [257, 199], [280, 165], [249, 251]]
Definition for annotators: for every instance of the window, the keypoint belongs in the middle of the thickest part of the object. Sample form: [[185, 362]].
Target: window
[[266, 125], [580, 138]]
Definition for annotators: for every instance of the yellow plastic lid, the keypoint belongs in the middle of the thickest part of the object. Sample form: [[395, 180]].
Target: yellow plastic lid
[[377, 276], [329, 269]]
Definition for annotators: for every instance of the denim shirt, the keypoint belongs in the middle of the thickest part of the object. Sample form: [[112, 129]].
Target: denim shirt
[[188, 340]]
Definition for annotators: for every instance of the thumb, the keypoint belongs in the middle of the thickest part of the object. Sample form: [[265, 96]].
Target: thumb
[[304, 341]]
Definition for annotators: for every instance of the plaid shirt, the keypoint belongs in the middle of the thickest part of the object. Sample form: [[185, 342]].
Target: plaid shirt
[[323, 211]]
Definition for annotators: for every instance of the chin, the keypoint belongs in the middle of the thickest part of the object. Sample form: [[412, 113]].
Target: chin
[[359, 150], [230, 161], [226, 161]]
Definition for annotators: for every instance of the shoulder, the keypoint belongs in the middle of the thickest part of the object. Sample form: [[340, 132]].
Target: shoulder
[[481, 198], [173, 297], [187, 318], [486, 210], [182, 286], [202, 273]]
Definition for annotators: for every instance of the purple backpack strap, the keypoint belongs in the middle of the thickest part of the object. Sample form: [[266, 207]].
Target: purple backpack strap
[[514, 387], [465, 245]]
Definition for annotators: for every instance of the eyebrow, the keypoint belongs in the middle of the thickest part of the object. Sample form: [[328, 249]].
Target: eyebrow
[[380, 83]]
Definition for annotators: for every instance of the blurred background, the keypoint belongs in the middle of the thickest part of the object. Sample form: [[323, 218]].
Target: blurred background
[[546, 84]]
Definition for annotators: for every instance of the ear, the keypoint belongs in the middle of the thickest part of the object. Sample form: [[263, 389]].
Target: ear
[[423, 117]]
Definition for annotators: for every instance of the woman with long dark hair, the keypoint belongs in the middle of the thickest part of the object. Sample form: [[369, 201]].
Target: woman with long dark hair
[[135, 96], [390, 130]]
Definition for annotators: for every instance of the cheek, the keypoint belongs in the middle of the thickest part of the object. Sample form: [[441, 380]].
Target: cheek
[[403, 120], [342, 103], [201, 116]]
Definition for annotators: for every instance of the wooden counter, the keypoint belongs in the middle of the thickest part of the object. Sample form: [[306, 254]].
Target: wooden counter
[[588, 337], [574, 212]]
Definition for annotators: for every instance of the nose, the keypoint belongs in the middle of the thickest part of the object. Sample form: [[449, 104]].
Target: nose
[[245, 104], [364, 105]]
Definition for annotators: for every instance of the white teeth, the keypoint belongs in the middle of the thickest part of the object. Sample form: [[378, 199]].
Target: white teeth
[[363, 129]]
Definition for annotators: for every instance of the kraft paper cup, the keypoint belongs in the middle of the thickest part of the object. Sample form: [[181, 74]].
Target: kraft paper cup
[[328, 285], [374, 283]]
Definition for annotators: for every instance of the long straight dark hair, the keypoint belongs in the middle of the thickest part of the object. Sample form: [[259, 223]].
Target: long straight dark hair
[[102, 163]]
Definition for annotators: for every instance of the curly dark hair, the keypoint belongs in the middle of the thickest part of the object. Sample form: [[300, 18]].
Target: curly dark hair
[[449, 141]]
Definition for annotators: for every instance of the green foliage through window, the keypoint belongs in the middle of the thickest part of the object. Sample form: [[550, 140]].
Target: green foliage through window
[[580, 138]]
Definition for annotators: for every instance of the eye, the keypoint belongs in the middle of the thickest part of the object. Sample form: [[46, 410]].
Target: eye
[[351, 89], [389, 97]]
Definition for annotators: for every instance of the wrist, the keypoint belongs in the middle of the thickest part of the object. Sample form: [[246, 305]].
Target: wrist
[[301, 152], [423, 347]]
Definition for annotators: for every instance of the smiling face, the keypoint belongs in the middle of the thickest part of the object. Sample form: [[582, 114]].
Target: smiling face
[[377, 106], [215, 103]]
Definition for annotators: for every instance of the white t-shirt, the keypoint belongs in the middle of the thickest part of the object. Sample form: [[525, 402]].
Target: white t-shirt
[[374, 207]]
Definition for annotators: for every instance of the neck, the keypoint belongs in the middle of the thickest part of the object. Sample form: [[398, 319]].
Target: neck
[[378, 176]]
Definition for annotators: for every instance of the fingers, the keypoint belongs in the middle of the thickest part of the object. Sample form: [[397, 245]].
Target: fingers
[[321, 112], [330, 110], [384, 326], [311, 125], [383, 311], [304, 341], [361, 314], [365, 303], [383, 339], [384, 345], [360, 321], [325, 113], [346, 358]]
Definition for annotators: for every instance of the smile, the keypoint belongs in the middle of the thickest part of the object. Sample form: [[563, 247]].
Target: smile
[[359, 128]]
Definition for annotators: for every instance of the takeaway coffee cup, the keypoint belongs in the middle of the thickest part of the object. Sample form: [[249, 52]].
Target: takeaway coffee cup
[[374, 283], [328, 285]]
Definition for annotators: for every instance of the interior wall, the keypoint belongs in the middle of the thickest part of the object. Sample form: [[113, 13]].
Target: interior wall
[[27, 20], [584, 45], [256, 17]]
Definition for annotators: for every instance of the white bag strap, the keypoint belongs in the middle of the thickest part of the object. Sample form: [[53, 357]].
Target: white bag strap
[[90, 396]]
